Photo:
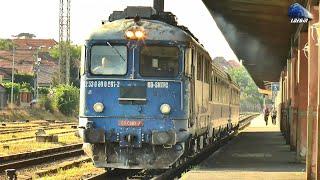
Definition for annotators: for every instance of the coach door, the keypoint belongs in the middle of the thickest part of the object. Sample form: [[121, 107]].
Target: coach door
[[190, 69], [192, 93]]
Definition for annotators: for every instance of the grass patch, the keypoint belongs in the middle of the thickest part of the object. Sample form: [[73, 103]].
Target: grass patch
[[31, 133], [84, 169], [32, 114], [29, 146]]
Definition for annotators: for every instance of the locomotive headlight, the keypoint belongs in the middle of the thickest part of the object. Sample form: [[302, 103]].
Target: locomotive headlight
[[139, 34], [98, 107], [130, 34], [165, 108], [135, 33]]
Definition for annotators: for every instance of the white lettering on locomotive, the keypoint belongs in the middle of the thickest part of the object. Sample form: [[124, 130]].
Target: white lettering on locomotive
[[102, 84], [158, 85]]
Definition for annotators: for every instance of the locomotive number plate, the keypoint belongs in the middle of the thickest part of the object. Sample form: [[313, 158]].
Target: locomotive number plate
[[126, 123]]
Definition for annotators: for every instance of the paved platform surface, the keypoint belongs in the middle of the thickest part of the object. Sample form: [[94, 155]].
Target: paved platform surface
[[258, 152]]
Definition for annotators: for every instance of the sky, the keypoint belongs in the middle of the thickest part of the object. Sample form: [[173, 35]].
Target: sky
[[41, 17]]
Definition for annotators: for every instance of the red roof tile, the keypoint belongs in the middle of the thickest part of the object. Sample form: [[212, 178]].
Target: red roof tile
[[35, 43]]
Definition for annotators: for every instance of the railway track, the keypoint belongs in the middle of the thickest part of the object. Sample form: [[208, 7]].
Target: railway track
[[32, 128], [23, 160], [34, 125], [32, 137], [182, 166]]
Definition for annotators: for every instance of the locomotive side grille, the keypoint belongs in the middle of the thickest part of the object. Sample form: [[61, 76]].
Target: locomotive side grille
[[133, 95]]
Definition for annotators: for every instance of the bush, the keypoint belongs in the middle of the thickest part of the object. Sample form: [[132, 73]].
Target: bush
[[66, 99], [47, 103], [43, 90], [25, 87], [24, 78], [16, 88]]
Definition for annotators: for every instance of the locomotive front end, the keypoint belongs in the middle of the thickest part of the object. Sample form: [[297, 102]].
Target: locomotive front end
[[133, 109]]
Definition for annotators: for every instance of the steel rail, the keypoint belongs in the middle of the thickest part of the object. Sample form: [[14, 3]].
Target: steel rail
[[32, 137], [183, 167], [23, 160]]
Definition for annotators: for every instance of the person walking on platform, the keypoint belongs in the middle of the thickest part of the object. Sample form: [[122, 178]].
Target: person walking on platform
[[274, 115], [266, 115]]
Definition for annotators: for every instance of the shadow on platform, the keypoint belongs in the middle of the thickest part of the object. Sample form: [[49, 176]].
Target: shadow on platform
[[259, 151]]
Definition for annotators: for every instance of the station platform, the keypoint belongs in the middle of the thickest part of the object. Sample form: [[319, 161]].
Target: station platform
[[258, 152]]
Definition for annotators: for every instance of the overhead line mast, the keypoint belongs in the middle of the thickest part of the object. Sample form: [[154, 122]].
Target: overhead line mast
[[64, 41]]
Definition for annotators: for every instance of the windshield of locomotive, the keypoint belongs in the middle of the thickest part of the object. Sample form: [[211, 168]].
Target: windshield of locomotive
[[157, 61], [109, 60]]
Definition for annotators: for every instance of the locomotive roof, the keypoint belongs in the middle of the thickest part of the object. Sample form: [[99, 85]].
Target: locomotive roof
[[155, 30]]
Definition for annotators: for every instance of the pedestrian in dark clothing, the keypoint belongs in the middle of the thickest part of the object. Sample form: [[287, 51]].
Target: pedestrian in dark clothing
[[274, 116], [266, 115]]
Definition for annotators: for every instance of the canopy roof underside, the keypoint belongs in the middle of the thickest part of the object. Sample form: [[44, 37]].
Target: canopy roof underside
[[259, 32]]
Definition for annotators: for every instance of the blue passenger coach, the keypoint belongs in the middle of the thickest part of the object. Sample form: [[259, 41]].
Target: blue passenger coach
[[150, 93]]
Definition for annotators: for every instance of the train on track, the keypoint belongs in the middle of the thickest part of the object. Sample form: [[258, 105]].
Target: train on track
[[150, 93]]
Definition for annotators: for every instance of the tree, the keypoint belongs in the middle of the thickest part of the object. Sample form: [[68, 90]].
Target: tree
[[27, 35], [66, 99], [75, 52], [250, 96], [5, 44], [24, 78]]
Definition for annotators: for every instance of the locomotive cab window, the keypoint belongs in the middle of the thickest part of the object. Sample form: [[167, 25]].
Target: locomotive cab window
[[157, 61], [109, 60]]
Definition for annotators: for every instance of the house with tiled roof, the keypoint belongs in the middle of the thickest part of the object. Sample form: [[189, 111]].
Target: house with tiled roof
[[25, 58], [26, 44], [3, 97], [234, 64]]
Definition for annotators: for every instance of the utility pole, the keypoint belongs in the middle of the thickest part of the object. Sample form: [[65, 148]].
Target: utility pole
[[37, 70], [12, 73], [64, 41]]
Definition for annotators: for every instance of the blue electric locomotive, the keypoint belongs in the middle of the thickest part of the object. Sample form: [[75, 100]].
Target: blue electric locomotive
[[150, 93]]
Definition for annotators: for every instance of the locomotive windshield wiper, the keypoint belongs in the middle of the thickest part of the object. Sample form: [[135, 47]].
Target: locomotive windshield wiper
[[116, 50]]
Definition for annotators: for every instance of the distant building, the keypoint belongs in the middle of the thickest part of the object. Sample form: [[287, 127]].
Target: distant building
[[5, 74], [26, 44], [26, 36], [3, 97], [222, 62], [234, 64], [25, 57], [226, 64]]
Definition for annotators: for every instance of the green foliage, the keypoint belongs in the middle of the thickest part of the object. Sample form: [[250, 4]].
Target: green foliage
[[5, 44], [66, 99], [75, 52], [26, 87], [24, 78], [16, 88], [28, 35], [47, 103], [250, 95], [43, 90]]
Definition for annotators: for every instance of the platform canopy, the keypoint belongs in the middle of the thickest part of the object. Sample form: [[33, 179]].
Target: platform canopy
[[259, 32]]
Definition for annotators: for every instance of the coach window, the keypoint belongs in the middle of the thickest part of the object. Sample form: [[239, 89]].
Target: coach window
[[207, 70], [210, 88], [188, 61], [159, 61], [107, 60], [199, 67], [204, 69]]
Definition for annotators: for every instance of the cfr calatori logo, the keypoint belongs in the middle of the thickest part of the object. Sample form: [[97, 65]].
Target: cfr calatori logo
[[299, 14]]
